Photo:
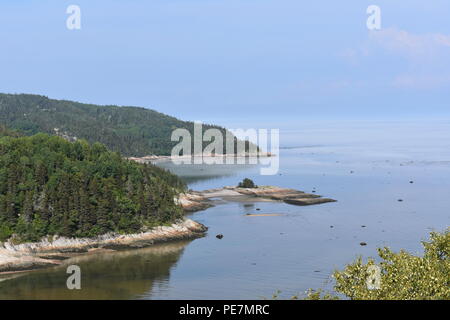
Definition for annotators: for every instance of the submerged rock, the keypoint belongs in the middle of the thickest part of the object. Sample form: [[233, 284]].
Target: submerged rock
[[308, 201]]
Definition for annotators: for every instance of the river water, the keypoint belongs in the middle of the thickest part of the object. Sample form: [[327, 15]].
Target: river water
[[367, 167]]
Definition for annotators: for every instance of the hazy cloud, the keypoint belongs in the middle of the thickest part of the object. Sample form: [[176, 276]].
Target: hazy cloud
[[408, 44], [410, 81], [425, 56]]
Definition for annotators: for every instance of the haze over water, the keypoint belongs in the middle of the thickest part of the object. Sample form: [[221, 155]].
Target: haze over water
[[366, 166]]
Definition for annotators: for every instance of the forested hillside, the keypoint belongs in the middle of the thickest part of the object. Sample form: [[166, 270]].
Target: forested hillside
[[49, 186], [132, 131]]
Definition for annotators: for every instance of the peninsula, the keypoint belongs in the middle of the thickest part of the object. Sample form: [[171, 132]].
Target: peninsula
[[199, 200]]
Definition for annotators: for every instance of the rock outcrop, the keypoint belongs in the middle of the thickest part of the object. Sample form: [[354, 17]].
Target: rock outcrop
[[200, 200]]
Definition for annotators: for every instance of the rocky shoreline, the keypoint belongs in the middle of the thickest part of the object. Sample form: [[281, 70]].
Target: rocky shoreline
[[199, 200], [51, 252]]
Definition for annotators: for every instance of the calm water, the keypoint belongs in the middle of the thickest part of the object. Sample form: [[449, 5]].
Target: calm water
[[297, 250]]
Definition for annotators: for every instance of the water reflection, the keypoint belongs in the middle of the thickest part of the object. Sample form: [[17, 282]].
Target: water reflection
[[108, 275]]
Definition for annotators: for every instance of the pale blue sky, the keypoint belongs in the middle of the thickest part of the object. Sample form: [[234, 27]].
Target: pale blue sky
[[229, 62]]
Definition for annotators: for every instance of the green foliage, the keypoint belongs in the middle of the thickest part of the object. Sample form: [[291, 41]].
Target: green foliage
[[403, 276], [49, 186], [247, 183], [132, 131], [319, 295], [310, 295]]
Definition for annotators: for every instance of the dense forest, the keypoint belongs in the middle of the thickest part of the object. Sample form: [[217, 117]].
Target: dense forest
[[50, 186], [132, 131]]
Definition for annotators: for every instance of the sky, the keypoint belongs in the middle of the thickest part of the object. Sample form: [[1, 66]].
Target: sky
[[228, 62]]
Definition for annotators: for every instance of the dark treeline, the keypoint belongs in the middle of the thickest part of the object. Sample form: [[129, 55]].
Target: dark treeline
[[132, 131], [49, 186]]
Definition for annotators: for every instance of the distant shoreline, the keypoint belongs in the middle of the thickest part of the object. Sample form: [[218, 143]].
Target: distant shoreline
[[155, 158]]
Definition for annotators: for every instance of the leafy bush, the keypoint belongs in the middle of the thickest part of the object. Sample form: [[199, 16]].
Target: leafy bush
[[403, 276], [247, 183]]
